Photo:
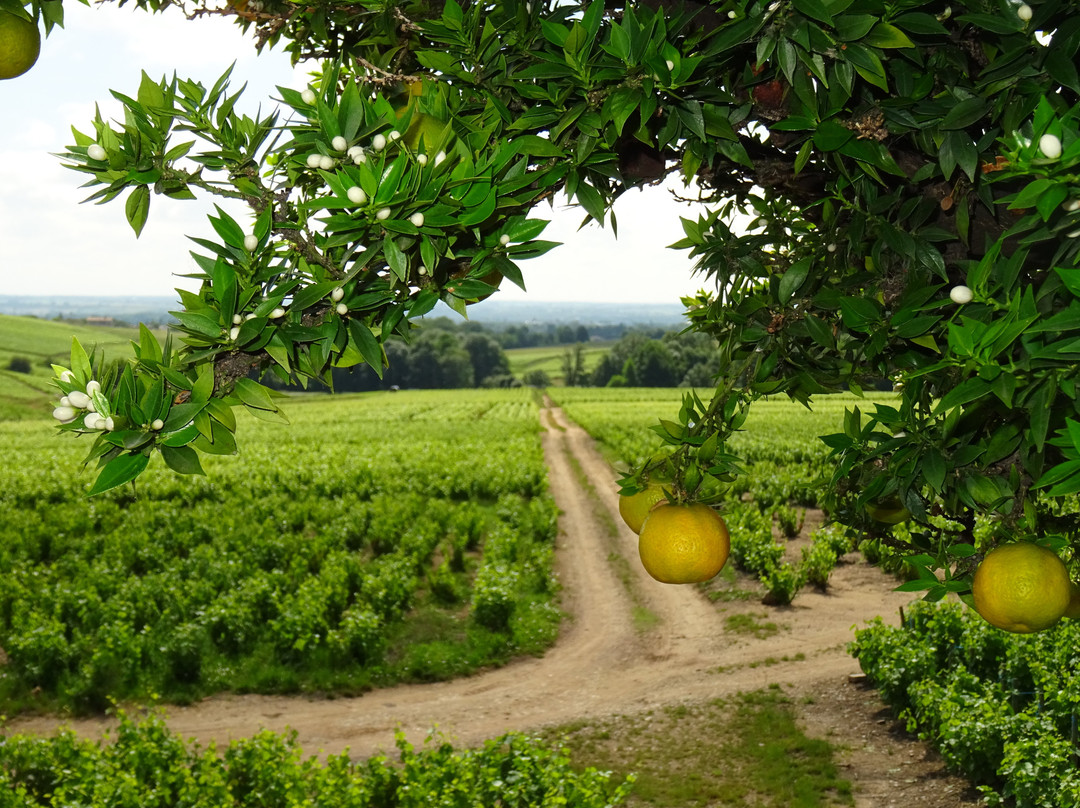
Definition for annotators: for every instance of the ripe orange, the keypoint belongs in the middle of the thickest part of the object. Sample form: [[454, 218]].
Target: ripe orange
[[684, 544], [634, 509], [20, 45], [1022, 588]]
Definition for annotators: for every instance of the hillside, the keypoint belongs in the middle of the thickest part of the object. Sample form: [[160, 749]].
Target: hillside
[[40, 343]]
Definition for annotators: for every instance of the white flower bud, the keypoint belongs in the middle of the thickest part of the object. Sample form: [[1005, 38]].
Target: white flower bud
[[64, 414], [234, 332], [65, 401], [831, 248], [356, 195], [277, 313], [1072, 204], [250, 316], [352, 151], [237, 319], [251, 242], [313, 160], [96, 152], [421, 159], [423, 270], [440, 157], [67, 376], [79, 400], [417, 219], [92, 387], [1050, 145], [732, 15], [383, 214], [1024, 12], [326, 162], [960, 295], [337, 294], [93, 421], [92, 407], [394, 134], [378, 143], [108, 424], [341, 309], [359, 158], [308, 96], [157, 424], [339, 143], [504, 239], [670, 64]]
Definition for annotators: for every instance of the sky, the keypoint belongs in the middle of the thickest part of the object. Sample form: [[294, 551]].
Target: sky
[[52, 244]]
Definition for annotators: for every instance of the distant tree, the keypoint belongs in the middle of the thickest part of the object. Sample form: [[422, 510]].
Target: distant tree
[[437, 359], [19, 364], [487, 357], [564, 335], [573, 365], [581, 334], [536, 378]]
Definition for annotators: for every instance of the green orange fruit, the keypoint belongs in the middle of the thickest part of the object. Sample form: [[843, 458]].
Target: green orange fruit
[[20, 45]]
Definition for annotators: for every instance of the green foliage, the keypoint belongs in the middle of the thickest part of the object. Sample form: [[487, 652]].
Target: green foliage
[[1001, 708], [300, 566], [147, 766]]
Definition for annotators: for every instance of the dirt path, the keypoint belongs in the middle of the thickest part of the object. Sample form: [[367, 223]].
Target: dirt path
[[603, 665]]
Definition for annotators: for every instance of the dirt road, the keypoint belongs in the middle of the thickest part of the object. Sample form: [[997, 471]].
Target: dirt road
[[603, 665]]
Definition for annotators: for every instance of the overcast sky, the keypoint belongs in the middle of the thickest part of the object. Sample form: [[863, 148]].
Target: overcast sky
[[49, 243]]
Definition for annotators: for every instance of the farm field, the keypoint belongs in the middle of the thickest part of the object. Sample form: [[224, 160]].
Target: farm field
[[377, 539], [632, 651], [549, 359]]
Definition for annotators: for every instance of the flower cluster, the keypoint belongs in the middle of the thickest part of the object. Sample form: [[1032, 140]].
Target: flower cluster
[[88, 404]]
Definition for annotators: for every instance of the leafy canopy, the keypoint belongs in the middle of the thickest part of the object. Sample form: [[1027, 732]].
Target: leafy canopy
[[885, 152]]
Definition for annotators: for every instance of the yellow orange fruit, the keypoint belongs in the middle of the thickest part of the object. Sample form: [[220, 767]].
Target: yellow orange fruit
[[20, 45], [683, 543], [634, 509], [1021, 587]]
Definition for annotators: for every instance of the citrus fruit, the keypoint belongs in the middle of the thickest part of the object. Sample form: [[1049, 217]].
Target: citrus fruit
[[683, 543], [1021, 587], [634, 509], [1072, 611], [20, 44], [889, 511]]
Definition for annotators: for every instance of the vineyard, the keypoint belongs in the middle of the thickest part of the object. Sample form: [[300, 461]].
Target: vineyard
[[408, 537], [377, 539]]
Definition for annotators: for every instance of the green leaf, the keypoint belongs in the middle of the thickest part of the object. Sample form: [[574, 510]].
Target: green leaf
[[920, 23], [850, 27], [121, 469], [965, 113], [831, 135], [888, 36], [254, 395], [792, 280], [968, 390], [182, 459], [364, 341], [137, 208], [815, 9]]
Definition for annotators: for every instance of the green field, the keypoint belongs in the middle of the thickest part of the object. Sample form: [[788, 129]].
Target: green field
[[43, 343], [378, 538], [549, 359]]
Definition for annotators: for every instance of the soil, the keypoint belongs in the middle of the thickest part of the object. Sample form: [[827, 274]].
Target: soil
[[606, 664]]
